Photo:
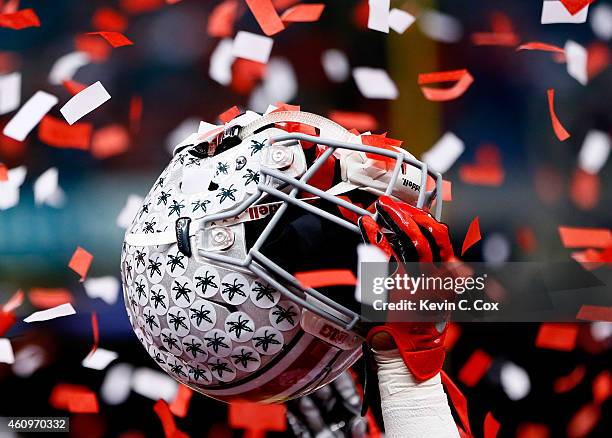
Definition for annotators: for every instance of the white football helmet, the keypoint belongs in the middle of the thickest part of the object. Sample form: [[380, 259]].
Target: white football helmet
[[208, 263]]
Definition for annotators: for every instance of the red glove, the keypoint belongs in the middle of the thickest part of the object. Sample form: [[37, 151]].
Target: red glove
[[415, 237]]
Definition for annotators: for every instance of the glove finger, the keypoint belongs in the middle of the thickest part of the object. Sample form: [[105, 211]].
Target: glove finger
[[298, 428], [372, 234], [345, 386], [406, 229], [311, 415]]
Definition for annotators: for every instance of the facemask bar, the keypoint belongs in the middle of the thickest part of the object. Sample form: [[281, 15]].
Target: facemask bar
[[255, 260]]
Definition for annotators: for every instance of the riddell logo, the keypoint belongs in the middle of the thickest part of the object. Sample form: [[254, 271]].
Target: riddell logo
[[259, 211], [334, 335], [410, 184]]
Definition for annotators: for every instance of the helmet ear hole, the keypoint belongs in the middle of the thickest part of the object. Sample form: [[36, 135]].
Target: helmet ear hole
[[213, 186]]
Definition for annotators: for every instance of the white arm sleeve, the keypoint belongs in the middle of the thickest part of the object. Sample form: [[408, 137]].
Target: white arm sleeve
[[411, 409]]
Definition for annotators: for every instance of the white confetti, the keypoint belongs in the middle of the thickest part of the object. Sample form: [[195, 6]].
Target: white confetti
[[106, 288], [335, 65], [221, 60], [440, 27], [280, 83], [185, 133], [10, 92], [28, 359], [555, 12], [55, 312], [594, 152], [252, 46], [46, 186], [116, 388], [205, 127], [6, 351], [375, 83], [378, 18], [99, 359], [601, 21], [444, 153], [9, 190], [376, 259], [29, 115], [576, 57], [129, 211], [84, 102], [400, 20], [515, 381], [66, 66], [154, 384]]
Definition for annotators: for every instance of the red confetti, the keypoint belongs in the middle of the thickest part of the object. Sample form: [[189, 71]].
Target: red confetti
[[58, 133], [14, 302], [326, 277], [575, 6], [583, 421], [598, 58], [20, 19], [163, 412], [482, 175], [141, 6], [3, 172], [494, 39], [532, 430], [584, 189], [96, 332], [246, 74], [109, 141], [73, 87], [594, 313], [74, 398], [303, 13], [447, 188], [80, 262], [585, 237], [266, 16], [602, 387], [7, 320], [135, 113], [472, 236], [462, 78], [537, 45], [557, 336], [46, 298], [525, 238], [221, 19], [356, 120], [281, 106], [280, 5], [180, 404], [256, 418], [459, 401], [567, 383], [560, 131], [491, 426], [229, 114], [97, 49], [109, 20], [475, 368], [115, 39]]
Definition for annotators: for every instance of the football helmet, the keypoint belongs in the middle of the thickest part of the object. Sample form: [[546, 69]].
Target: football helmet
[[209, 262]]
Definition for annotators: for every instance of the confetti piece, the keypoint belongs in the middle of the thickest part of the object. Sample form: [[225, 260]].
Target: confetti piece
[[115, 39], [129, 211], [154, 385], [47, 298], [6, 351], [594, 313], [374, 83], [472, 236], [440, 27], [601, 21], [304, 13], [106, 288], [494, 39], [165, 416], [400, 20], [583, 421], [10, 92], [602, 387], [482, 175], [350, 120], [598, 58], [97, 49], [221, 19], [14, 302], [444, 153], [491, 426], [336, 65], [109, 20], [555, 12], [570, 381], [573, 237], [29, 115], [83, 103], [80, 262], [135, 113], [557, 336], [252, 47], [575, 6], [109, 141], [584, 189], [378, 17], [141, 6], [514, 381], [326, 277], [96, 332], [66, 66], [7, 320], [532, 430], [459, 401], [20, 19], [576, 58], [55, 312], [221, 60], [56, 132], [462, 78], [537, 45], [180, 404], [266, 16], [594, 152], [229, 114], [3, 172], [475, 368], [74, 87], [99, 359], [560, 131], [256, 417]]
